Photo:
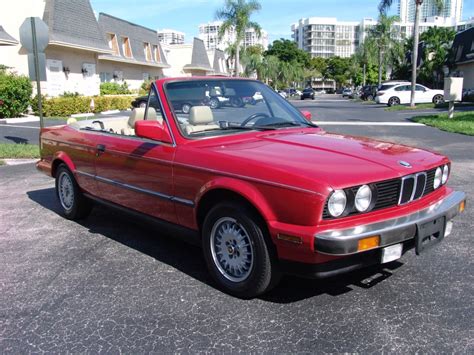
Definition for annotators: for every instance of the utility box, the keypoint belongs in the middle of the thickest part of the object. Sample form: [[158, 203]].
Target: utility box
[[453, 89]]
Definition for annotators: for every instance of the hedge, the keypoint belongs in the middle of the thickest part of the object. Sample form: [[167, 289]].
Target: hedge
[[66, 106], [114, 89], [15, 94]]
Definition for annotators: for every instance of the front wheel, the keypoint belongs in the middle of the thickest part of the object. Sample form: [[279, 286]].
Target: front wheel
[[73, 203], [393, 101], [236, 251], [438, 99], [214, 103]]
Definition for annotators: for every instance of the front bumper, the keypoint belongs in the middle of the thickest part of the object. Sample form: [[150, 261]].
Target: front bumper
[[343, 242]]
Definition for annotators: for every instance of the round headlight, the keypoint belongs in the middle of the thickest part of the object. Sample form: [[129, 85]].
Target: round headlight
[[437, 178], [337, 203], [363, 198], [445, 174]]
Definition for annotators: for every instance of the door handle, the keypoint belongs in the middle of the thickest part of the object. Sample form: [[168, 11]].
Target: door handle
[[100, 149]]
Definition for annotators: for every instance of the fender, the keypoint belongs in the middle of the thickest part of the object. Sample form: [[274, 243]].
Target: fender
[[242, 188], [60, 155]]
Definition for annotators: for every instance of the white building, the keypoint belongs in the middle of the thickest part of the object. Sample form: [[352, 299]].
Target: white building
[[326, 37], [209, 33], [167, 36], [452, 9]]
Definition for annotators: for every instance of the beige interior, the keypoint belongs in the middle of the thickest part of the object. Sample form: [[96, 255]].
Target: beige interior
[[118, 125], [200, 119]]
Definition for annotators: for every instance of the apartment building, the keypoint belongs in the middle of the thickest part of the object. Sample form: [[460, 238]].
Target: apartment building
[[326, 36], [452, 9], [167, 36], [209, 33]]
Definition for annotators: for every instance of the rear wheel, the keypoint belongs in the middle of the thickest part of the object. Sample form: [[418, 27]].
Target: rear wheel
[[393, 101], [438, 99], [214, 103], [73, 203], [236, 251], [186, 108]]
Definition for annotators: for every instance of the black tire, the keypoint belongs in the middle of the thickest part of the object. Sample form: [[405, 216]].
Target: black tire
[[77, 207], [214, 103], [393, 101], [438, 99], [302, 98], [186, 108], [262, 274], [236, 102]]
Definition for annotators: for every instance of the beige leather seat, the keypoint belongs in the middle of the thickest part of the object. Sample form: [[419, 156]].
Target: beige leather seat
[[138, 114], [200, 119]]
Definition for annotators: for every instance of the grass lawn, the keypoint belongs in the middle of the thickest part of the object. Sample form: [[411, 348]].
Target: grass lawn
[[19, 151], [463, 122], [426, 106]]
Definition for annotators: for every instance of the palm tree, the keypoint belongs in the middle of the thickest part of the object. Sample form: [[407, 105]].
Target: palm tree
[[236, 16], [383, 36], [383, 7]]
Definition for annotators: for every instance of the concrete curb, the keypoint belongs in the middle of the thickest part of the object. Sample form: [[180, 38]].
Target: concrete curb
[[19, 161], [77, 115], [19, 120]]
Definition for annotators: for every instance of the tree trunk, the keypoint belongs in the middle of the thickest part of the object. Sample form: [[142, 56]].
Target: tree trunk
[[380, 65], [237, 58], [415, 52], [364, 77]]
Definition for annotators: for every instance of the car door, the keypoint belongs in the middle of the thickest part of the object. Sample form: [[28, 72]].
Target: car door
[[135, 172], [403, 93], [421, 94]]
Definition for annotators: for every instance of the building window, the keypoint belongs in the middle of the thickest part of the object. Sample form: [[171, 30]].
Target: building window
[[156, 54], [147, 50], [127, 50], [113, 44], [105, 77]]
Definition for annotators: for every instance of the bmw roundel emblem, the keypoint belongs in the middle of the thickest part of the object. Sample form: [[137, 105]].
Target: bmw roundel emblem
[[404, 164]]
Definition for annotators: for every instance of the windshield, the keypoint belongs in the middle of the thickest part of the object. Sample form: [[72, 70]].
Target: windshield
[[215, 107]]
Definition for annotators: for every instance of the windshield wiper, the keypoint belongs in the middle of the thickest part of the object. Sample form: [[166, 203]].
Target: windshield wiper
[[290, 124]]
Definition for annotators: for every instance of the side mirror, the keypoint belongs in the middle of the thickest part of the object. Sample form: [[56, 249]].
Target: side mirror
[[307, 115], [152, 130]]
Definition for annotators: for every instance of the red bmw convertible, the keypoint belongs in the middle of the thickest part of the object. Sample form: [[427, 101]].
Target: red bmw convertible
[[266, 190]]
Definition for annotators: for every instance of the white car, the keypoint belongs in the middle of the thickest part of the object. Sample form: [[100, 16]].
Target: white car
[[400, 94]]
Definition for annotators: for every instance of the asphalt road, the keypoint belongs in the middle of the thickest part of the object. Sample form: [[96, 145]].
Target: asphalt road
[[115, 284]]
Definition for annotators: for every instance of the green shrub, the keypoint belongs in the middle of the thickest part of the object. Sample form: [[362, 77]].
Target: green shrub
[[145, 88], [66, 106], [15, 94], [114, 89]]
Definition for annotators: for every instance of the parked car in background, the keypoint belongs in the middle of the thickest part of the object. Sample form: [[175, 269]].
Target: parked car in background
[[293, 92], [140, 101], [368, 92], [401, 94], [262, 188], [307, 93], [330, 91], [320, 91], [468, 95], [347, 93], [283, 94]]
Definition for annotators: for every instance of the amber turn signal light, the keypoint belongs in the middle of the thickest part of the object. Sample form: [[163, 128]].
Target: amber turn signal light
[[462, 206], [289, 238], [368, 243]]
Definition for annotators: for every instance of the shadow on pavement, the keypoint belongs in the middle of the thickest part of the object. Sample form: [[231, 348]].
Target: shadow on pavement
[[167, 246], [17, 140]]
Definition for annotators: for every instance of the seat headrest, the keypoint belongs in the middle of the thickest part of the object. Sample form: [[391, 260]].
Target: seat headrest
[[151, 114], [71, 120], [200, 115], [138, 114]]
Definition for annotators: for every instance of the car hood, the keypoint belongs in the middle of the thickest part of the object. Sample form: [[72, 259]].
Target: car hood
[[312, 156]]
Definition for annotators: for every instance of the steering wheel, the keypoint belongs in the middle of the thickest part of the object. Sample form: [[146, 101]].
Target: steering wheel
[[252, 117]]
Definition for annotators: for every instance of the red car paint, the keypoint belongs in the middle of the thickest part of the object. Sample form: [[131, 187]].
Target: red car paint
[[287, 175]]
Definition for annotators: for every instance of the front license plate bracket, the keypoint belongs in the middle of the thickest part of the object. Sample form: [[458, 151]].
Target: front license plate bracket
[[429, 234]]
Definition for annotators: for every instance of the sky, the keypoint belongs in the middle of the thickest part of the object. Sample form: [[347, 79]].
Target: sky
[[276, 16]]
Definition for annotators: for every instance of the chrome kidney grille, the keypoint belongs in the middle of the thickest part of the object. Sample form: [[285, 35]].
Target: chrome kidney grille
[[413, 187], [399, 191]]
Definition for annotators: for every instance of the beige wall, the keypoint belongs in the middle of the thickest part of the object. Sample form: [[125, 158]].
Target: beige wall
[[468, 74], [12, 14], [76, 81], [178, 56], [132, 74]]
